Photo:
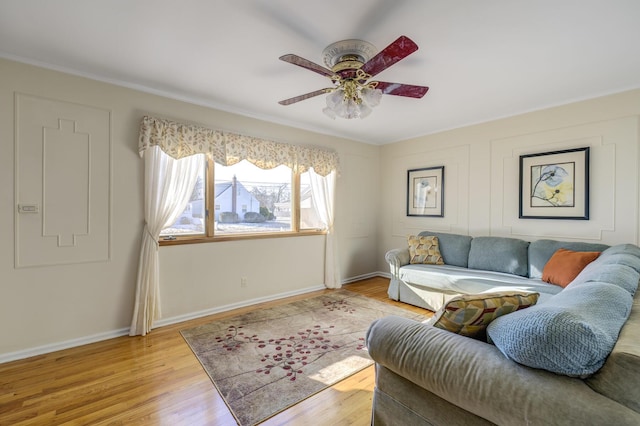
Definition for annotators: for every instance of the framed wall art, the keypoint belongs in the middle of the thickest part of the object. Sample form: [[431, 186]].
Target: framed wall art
[[425, 192], [555, 185]]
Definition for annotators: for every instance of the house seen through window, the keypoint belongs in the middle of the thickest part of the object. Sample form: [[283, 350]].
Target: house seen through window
[[244, 199]]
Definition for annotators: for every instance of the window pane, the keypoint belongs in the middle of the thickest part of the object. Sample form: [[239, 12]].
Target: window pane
[[192, 220], [309, 218], [251, 199]]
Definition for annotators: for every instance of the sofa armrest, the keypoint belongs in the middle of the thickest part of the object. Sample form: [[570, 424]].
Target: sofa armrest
[[397, 258], [476, 377]]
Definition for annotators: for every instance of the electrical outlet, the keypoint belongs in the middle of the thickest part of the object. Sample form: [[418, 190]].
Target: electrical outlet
[[243, 281]]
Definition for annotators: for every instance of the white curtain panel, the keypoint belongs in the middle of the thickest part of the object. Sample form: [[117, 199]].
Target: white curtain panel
[[167, 188], [323, 193]]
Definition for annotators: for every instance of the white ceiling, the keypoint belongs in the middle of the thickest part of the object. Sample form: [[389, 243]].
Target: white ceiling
[[481, 59]]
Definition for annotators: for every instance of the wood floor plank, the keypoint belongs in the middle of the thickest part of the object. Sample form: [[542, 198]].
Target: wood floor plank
[[156, 380]]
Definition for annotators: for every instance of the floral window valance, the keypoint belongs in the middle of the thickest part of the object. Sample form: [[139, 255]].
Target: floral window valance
[[180, 140]]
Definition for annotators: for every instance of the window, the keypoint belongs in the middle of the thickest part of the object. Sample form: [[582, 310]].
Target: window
[[187, 187], [252, 200], [245, 200]]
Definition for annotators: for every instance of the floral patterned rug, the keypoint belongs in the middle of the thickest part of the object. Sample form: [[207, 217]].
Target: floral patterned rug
[[265, 361]]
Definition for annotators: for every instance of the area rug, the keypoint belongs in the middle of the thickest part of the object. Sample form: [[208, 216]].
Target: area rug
[[267, 360]]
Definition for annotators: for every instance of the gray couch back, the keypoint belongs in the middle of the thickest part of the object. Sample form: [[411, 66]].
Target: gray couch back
[[500, 254], [453, 247]]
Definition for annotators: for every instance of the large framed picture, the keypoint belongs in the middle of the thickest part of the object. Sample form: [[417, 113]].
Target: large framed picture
[[425, 192], [555, 185]]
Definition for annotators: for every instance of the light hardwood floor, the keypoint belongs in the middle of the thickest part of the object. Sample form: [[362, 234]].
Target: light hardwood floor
[[156, 380]]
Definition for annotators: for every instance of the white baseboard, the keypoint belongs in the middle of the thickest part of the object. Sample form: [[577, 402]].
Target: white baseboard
[[58, 346], [231, 306], [366, 276], [72, 343]]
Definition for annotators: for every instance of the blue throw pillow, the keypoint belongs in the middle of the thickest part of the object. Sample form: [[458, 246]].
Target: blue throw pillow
[[572, 333]]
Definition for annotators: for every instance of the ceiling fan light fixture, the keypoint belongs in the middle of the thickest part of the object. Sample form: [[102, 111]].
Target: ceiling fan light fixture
[[351, 100], [335, 98], [365, 110], [371, 96], [329, 113], [352, 109]]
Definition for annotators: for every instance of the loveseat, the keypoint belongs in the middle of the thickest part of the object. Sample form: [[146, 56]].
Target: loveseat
[[573, 358]]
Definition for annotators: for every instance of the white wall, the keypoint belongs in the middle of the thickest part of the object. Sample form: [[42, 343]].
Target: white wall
[[49, 303], [482, 171]]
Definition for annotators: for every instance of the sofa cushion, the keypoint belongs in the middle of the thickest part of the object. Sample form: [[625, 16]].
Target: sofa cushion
[[454, 247], [565, 265], [572, 333], [424, 249], [626, 259], [499, 254], [541, 251], [416, 284], [623, 248], [470, 314], [620, 275]]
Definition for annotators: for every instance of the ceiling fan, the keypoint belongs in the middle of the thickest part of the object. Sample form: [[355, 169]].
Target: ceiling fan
[[352, 66]]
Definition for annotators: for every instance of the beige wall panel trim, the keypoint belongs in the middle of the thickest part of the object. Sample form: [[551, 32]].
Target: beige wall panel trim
[[456, 162], [66, 174], [62, 169], [362, 193], [613, 183]]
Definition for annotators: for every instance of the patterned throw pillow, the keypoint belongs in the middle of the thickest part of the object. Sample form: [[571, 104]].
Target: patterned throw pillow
[[470, 314], [424, 249], [565, 265]]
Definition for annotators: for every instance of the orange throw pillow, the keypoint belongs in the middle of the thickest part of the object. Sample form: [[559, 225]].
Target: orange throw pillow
[[565, 265]]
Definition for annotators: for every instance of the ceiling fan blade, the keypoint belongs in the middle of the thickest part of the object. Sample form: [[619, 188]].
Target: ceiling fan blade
[[399, 49], [398, 89], [303, 97], [305, 63]]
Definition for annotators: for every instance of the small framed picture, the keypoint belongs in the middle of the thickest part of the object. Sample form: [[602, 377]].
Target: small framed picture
[[425, 192], [555, 185]]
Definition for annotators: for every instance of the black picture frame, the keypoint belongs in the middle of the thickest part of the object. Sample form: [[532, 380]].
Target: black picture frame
[[555, 185], [425, 192]]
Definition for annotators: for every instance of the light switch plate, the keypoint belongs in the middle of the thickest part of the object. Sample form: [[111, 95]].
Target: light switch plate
[[28, 208]]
